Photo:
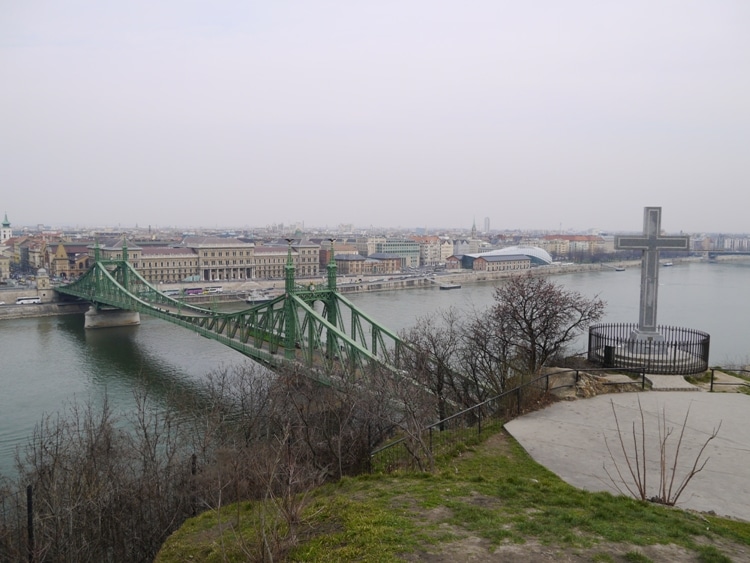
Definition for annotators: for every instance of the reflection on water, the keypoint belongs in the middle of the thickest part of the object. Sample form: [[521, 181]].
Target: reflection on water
[[49, 361], [711, 297]]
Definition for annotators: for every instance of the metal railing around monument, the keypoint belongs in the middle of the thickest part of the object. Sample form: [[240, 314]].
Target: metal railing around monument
[[418, 450], [682, 351]]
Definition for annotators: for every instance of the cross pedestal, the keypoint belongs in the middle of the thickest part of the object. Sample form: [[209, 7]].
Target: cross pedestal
[[651, 242]]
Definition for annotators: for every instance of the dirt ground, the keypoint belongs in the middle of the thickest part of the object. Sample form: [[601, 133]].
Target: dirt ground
[[470, 548]]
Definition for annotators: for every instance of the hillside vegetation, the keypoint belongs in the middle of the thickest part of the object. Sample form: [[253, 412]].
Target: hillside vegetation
[[488, 503]]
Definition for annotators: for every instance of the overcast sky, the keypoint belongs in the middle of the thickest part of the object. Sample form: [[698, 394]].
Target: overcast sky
[[424, 113]]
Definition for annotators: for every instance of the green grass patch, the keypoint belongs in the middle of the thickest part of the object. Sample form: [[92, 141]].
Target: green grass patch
[[709, 554], [637, 557], [704, 377], [492, 490]]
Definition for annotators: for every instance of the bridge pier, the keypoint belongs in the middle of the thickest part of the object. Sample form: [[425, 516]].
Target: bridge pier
[[107, 318]]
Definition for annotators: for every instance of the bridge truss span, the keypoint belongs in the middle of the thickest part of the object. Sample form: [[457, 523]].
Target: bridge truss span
[[309, 325]]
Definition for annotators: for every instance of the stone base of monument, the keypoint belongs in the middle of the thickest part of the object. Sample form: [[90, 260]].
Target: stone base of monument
[[658, 360], [639, 335], [677, 351], [107, 318]]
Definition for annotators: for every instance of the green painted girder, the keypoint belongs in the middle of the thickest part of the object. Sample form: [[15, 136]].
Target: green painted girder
[[286, 329]]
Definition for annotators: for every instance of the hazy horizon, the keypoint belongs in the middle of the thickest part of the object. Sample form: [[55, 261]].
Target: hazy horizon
[[544, 115], [355, 228]]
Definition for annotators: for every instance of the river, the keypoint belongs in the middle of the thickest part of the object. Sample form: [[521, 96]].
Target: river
[[46, 363]]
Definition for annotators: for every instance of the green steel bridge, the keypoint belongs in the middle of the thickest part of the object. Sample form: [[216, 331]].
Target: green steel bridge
[[306, 325]]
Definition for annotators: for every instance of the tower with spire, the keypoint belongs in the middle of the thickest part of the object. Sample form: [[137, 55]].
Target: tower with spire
[[5, 231]]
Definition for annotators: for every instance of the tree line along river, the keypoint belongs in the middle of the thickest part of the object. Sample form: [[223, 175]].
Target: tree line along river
[[46, 363]]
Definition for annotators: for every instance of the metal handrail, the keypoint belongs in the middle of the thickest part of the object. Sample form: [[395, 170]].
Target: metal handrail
[[743, 384], [516, 390]]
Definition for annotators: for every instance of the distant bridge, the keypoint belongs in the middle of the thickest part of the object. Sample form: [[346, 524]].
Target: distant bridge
[[286, 330], [712, 254]]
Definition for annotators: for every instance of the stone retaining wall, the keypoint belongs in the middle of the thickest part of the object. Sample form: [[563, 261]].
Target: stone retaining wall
[[41, 310]]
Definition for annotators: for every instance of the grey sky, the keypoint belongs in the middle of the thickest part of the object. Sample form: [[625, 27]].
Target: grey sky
[[392, 113]]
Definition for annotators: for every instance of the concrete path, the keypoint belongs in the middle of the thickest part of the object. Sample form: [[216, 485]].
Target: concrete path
[[568, 438], [670, 383]]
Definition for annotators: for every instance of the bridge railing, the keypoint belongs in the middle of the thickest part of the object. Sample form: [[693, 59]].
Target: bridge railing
[[418, 450]]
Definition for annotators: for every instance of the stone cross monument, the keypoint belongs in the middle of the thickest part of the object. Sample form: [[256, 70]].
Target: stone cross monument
[[651, 242]]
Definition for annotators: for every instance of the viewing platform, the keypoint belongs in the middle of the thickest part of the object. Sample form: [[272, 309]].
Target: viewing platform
[[678, 351]]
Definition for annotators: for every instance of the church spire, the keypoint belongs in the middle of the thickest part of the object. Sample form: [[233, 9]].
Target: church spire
[[5, 231]]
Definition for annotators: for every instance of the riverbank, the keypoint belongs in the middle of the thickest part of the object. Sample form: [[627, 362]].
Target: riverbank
[[41, 310], [238, 291]]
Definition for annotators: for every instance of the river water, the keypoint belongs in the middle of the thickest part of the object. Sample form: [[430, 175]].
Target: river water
[[46, 363]]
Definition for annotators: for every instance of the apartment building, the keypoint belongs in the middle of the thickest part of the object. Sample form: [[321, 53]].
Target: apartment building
[[429, 250]]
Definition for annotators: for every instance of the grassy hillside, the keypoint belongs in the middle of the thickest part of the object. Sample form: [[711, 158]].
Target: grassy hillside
[[490, 503]]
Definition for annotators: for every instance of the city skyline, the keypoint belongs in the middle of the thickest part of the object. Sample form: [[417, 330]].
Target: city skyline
[[414, 114], [341, 229]]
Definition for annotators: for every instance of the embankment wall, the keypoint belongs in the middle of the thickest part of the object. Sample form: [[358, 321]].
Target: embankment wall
[[41, 310]]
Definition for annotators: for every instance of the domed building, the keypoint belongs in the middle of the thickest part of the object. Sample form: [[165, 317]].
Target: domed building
[[538, 256], [502, 259]]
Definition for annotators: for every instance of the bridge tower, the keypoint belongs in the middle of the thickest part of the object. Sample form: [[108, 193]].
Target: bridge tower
[[331, 303], [290, 314], [125, 271], [98, 317]]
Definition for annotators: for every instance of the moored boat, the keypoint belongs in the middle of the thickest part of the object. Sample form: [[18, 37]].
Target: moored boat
[[256, 297]]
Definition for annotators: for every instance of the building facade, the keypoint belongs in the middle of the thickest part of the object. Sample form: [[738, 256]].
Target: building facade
[[4, 264], [162, 264], [69, 260], [407, 250], [499, 263], [429, 250], [222, 258]]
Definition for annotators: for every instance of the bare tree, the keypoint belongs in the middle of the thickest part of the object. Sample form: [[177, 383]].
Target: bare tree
[[535, 319], [112, 489], [668, 489], [486, 354], [400, 407], [433, 359]]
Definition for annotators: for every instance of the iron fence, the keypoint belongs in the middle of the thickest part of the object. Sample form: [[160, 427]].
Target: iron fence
[[677, 350], [418, 450]]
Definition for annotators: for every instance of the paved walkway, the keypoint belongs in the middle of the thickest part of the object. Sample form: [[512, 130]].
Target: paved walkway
[[568, 438], [670, 383]]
